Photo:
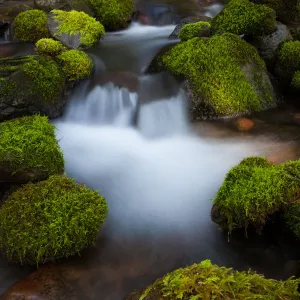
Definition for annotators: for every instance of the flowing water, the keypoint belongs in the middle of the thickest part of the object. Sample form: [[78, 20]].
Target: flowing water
[[131, 139]]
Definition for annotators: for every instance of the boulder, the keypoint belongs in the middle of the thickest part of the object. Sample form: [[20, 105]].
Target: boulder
[[29, 85]]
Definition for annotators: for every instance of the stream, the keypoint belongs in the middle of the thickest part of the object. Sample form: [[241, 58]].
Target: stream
[[127, 134]]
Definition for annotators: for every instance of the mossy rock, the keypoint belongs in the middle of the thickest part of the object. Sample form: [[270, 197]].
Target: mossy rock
[[208, 281], [49, 47], [29, 85], [49, 220], [113, 14], [253, 191], [244, 17], [29, 150], [74, 29], [225, 76], [31, 25], [288, 60], [76, 64], [198, 29]]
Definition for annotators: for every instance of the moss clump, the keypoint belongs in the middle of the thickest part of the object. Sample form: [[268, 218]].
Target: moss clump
[[29, 143], [76, 64], [254, 190], [46, 78], [49, 47], [198, 29], [225, 70], [31, 25], [245, 17], [113, 14], [288, 61], [292, 218], [49, 220], [208, 281], [74, 22], [296, 80]]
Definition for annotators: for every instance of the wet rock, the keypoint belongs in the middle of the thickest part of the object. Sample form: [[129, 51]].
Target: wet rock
[[267, 45], [244, 124], [189, 20], [9, 9]]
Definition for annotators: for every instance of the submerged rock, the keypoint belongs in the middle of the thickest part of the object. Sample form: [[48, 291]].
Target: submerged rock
[[224, 76], [29, 85], [28, 150], [208, 281]]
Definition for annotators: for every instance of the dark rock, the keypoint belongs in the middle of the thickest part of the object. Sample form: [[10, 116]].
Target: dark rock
[[189, 20], [268, 45], [9, 9]]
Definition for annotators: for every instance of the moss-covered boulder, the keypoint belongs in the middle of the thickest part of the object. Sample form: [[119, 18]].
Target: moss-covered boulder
[[198, 29], [49, 220], [31, 25], [113, 14], [28, 150], [76, 64], [225, 76], [75, 29], [208, 281], [49, 47], [245, 17], [288, 60], [29, 85], [253, 191]]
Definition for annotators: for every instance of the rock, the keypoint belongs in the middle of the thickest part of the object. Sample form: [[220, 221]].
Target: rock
[[244, 124], [11, 8], [74, 29], [189, 20], [219, 83], [267, 45], [66, 5], [28, 150], [29, 85]]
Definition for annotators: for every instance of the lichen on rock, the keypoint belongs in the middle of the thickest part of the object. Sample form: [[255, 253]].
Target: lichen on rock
[[49, 220]]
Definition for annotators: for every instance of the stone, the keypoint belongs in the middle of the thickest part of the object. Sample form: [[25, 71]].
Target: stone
[[244, 124]]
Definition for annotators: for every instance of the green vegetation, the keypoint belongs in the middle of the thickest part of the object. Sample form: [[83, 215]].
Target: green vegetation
[[245, 17], [74, 22], [296, 80], [76, 64], [254, 190], [49, 220], [113, 14], [49, 47], [31, 25], [208, 281], [46, 78], [198, 29], [29, 143], [288, 61], [292, 218], [215, 69]]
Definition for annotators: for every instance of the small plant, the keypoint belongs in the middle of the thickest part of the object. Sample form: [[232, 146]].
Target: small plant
[[76, 64], [74, 22], [49, 47], [49, 220], [31, 25], [198, 29], [28, 144], [208, 281]]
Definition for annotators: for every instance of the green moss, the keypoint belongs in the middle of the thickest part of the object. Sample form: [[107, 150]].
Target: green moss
[[46, 78], [49, 220], [31, 25], [292, 218], [288, 61], [29, 143], [113, 14], [76, 64], [208, 281], [7, 88], [245, 17], [256, 189], [296, 80], [197, 29], [49, 47], [74, 22], [215, 68]]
